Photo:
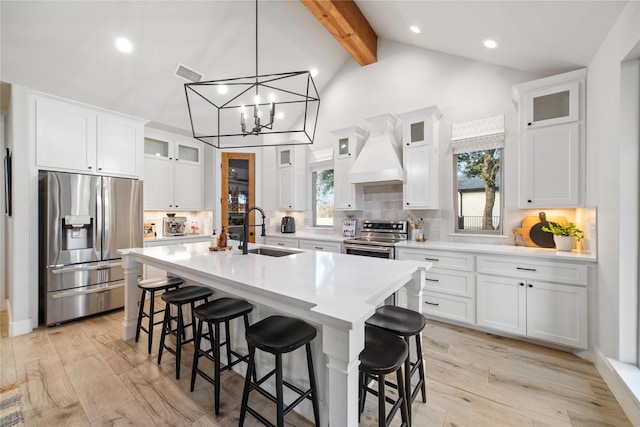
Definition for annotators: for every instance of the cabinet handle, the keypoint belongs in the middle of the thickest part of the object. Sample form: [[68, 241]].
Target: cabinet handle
[[529, 124], [99, 169], [531, 286], [525, 269], [89, 167], [280, 244], [521, 284], [431, 303], [432, 259], [528, 201], [318, 247], [407, 203], [349, 205], [408, 143], [431, 280], [170, 158], [349, 154]]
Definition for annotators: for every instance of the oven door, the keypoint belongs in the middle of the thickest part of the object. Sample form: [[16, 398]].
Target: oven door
[[386, 252]]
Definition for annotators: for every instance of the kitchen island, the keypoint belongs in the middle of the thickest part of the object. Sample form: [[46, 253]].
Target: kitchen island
[[334, 292]]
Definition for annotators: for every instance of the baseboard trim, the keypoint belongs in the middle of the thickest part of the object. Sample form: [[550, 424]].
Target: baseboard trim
[[611, 371]]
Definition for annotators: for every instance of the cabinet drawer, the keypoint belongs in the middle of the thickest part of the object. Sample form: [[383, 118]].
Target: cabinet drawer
[[285, 243], [451, 282], [539, 270], [446, 260], [319, 245], [451, 307]]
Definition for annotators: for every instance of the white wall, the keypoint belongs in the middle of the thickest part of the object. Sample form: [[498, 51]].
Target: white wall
[[605, 173], [407, 78]]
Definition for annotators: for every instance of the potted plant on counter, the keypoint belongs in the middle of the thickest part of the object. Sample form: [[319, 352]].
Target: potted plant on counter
[[564, 236]]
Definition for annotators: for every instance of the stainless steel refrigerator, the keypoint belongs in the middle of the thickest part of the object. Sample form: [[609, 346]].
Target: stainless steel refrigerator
[[83, 221]]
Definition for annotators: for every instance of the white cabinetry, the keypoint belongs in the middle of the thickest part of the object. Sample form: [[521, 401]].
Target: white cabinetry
[[281, 241], [291, 177], [173, 173], [450, 285], [551, 125], [544, 300], [420, 140], [321, 245], [347, 196], [74, 138]]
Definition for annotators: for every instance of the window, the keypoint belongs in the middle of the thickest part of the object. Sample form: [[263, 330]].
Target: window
[[477, 178], [322, 184], [478, 197]]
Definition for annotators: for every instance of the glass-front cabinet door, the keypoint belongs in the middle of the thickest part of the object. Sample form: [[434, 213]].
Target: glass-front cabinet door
[[552, 105], [238, 193]]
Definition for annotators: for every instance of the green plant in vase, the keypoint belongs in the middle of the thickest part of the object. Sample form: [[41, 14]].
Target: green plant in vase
[[564, 235]]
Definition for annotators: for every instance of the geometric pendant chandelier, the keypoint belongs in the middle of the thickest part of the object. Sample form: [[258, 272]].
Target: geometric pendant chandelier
[[254, 111]]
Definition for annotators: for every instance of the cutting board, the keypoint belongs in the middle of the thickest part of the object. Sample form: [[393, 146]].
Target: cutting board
[[525, 230]]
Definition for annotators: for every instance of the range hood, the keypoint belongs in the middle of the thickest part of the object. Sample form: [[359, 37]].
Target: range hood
[[379, 161]]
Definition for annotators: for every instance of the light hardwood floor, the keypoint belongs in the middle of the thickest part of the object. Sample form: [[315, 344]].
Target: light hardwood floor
[[83, 374]]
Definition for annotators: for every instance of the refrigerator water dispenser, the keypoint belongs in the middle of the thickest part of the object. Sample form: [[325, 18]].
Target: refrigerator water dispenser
[[77, 232]]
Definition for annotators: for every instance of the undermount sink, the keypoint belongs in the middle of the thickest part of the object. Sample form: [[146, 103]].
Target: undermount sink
[[272, 252]]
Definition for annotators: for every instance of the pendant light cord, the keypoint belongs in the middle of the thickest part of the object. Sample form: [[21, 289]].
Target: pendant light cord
[[256, 47]]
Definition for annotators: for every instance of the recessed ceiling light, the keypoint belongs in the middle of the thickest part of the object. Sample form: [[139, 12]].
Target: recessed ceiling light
[[123, 45], [314, 72], [491, 44], [415, 29]]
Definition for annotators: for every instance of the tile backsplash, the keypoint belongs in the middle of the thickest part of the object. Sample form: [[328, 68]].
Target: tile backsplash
[[385, 202]]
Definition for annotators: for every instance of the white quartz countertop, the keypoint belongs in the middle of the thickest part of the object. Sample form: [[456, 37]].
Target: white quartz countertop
[[338, 287], [500, 250]]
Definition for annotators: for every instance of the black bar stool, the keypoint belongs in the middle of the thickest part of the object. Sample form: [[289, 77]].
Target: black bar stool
[[278, 335], [179, 297], [406, 324], [383, 354], [152, 286], [213, 313]]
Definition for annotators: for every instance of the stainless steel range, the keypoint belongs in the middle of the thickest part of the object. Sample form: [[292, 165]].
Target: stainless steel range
[[377, 239]]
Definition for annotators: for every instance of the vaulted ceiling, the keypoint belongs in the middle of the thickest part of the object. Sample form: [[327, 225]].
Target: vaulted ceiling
[[66, 48]]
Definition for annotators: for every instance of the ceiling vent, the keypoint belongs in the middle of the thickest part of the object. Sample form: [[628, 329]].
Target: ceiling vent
[[188, 74]]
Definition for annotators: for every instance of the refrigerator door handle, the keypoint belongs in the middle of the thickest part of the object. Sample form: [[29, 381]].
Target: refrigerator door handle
[[99, 226], [91, 291], [55, 269]]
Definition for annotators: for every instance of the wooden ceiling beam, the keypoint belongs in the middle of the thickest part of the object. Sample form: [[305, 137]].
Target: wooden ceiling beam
[[344, 20]]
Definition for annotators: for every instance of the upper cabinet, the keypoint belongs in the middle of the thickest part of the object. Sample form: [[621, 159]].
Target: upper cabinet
[[551, 122], [291, 162], [173, 172], [75, 138], [349, 142], [420, 141]]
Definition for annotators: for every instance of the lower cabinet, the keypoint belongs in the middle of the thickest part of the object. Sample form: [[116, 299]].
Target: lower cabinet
[[539, 298], [282, 242], [321, 245], [548, 311], [314, 245], [450, 285]]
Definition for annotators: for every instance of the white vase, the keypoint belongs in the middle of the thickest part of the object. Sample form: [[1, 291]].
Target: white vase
[[564, 243]]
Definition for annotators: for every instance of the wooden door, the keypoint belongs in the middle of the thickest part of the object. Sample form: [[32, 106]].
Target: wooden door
[[238, 193]]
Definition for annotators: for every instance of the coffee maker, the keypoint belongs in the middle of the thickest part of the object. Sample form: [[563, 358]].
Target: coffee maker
[[174, 225]]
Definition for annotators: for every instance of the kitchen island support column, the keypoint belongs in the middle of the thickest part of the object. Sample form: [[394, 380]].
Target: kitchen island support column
[[342, 348], [130, 321]]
